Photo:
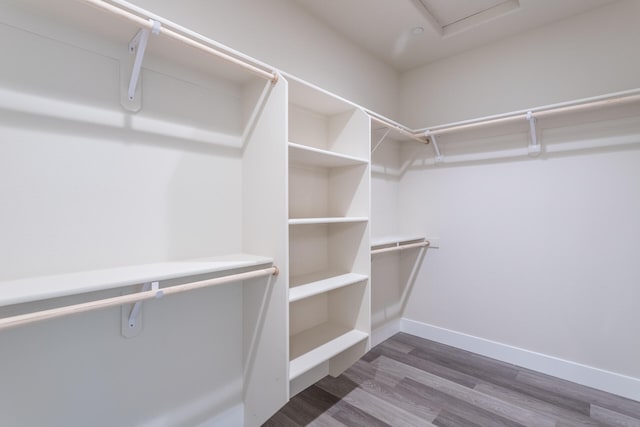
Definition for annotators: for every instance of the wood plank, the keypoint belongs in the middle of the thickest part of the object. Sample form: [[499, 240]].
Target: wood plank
[[474, 397], [559, 386], [417, 392], [612, 418], [567, 417], [428, 366], [370, 403]]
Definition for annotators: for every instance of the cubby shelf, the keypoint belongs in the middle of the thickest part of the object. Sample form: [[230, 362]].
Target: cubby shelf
[[309, 285], [302, 154], [314, 346], [330, 220], [46, 287], [329, 265]]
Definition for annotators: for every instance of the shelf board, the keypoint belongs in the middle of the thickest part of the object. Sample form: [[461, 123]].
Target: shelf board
[[309, 285], [395, 240], [317, 345], [303, 154], [328, 220], [45, 287]]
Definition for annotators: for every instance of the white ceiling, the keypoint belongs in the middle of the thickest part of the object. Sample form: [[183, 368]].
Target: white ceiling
[[384, 27]]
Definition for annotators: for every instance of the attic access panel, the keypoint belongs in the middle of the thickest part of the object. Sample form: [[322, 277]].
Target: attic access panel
[[451, 17]]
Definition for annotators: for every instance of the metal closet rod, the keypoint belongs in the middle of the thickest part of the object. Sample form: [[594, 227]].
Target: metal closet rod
[[148, 23], [401, 247], [25, 319], [610, 99], [423, 135]]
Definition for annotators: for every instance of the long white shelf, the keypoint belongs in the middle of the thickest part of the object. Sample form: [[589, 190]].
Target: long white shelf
[[317, 157], [308, 285], [45, 287], [328, 220], [314, 346], [395, 240]]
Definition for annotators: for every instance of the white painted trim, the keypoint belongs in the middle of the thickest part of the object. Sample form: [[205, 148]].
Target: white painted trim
[[600, 379], [384, 332]]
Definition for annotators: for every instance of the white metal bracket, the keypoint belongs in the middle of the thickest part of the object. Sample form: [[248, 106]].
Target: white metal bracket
[[439, 158], [534, 147], [132, 314], [131, 100]]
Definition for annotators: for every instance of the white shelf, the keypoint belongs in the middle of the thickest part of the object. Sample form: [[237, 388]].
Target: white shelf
[[330, 220], [303, 154], [395, 240], [45, 287], [317, 345], [312, 284]]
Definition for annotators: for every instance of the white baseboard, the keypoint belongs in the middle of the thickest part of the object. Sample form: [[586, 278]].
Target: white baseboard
[[600, 379], [385, 332]]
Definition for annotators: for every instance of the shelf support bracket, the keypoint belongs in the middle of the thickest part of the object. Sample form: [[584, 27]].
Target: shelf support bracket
[[132, 320], [136, 48], [138, 44], [429, 136], [534, 147]]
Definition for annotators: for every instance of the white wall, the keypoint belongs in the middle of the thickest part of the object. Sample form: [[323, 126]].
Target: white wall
[[540, 254], [285, 36], [590, 54]]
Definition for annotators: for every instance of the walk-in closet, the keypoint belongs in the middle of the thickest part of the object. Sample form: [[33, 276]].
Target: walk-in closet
[[290, 212]]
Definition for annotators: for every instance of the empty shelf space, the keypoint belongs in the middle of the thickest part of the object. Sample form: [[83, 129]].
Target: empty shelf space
[[303, 154], [45, 287], [319, 344], [329, 220], [308, 285]]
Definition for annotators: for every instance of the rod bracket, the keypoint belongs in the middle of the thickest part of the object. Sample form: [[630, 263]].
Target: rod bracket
[[136, 48], [534, 148], [430, 137], [132, 313]]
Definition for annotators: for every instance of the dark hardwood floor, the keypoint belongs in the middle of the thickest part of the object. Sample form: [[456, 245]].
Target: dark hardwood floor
[[409, 381]]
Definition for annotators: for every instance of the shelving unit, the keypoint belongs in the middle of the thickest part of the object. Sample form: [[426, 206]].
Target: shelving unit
[[329, 319]]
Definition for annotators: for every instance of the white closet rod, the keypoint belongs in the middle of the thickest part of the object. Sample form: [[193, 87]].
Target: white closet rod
[[24, 319], [400, 247], [147, 23], [564, 107]]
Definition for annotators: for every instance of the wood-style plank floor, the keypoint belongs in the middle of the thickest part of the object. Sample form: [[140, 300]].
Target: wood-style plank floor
[[409, 381]]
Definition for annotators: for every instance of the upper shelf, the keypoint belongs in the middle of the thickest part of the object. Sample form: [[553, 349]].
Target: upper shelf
[[317, 157], [45, 287]]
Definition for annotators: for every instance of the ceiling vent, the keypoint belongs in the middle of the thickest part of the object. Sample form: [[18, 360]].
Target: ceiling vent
[[451, 17]]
